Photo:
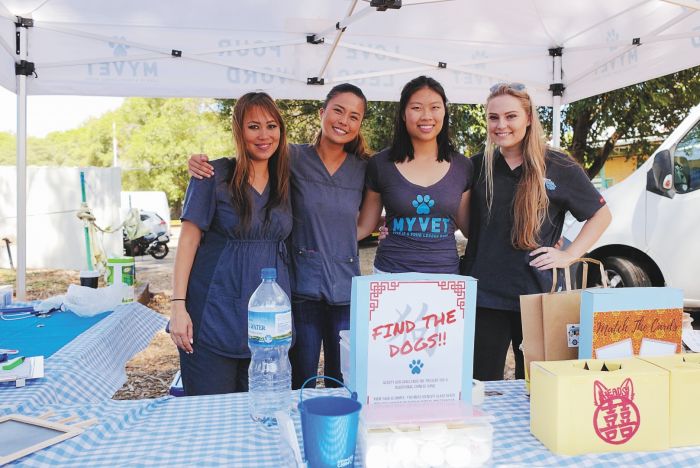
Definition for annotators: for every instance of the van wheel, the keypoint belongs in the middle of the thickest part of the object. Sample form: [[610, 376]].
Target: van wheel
[[623, 273]]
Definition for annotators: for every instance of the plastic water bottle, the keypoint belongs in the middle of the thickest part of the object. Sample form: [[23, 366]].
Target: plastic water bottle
[[269, 339]]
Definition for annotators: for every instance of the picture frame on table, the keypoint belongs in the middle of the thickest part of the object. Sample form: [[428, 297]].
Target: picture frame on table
[[24, 435]]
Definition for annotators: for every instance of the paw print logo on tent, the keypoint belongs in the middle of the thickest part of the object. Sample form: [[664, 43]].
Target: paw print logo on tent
[[422, 204], [120, 49]]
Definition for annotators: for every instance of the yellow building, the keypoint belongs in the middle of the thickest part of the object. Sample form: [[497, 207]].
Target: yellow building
[[617, 167]]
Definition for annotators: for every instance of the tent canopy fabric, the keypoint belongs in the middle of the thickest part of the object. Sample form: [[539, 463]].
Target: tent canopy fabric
[[561, 50], [211, 48]]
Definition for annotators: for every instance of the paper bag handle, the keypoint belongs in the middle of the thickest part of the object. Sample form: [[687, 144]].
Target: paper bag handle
[[567, 273]]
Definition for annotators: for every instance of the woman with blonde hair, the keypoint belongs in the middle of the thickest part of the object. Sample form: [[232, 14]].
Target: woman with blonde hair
[[522, 191], [233, 225]]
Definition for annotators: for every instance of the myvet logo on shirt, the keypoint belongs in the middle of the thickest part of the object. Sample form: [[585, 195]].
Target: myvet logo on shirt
[[422, 226]]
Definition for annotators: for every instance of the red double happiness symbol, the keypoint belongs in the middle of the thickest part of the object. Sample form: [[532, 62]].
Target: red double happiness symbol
[[616, 418]]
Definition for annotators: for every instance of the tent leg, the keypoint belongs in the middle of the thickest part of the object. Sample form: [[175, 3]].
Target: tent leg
[[22, 173], [556, 121]]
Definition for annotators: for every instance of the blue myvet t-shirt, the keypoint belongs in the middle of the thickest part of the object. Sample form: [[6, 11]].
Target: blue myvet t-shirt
[[421, 220], [226, 268], [324, 236]]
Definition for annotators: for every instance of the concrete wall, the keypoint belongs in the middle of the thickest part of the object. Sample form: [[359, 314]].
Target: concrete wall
[[55, 235]]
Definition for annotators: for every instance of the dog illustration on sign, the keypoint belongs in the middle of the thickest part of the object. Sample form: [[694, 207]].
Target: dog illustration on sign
[[616, 418]]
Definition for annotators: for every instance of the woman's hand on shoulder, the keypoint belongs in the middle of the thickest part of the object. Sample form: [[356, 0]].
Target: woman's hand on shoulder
[[199, 167], [550, 257], [181, 327]]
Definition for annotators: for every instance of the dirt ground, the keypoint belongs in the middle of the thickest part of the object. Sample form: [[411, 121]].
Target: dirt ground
[[150, 372]]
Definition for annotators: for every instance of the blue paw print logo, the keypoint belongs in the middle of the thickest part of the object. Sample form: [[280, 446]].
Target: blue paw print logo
[[120, 50], [549, 184], [422, 204], [416, 366]]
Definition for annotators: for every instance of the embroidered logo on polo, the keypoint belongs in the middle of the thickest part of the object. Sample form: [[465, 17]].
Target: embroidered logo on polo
[[422, 226], [549, 184]]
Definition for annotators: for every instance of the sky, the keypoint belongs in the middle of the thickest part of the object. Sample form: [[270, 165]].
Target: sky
[[47, 114]]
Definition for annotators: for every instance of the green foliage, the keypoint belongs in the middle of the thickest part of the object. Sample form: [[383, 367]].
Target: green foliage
[[641, 114], [157, 135], [8, 149]]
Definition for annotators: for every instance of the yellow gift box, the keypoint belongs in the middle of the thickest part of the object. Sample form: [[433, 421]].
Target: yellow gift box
[[593, 406], [684, 411]]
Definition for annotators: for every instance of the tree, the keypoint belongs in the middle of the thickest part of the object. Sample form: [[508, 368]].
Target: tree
[[157, 135], [643, 114]]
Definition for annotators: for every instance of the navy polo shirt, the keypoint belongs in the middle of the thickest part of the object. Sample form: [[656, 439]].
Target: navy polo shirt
[[504, 273], [226, 267], [324, 235]]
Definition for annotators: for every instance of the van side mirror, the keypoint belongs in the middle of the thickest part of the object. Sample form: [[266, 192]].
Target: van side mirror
[[660, 176]]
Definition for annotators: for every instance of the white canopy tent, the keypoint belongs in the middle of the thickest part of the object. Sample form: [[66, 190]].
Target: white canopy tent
[[562, 50]]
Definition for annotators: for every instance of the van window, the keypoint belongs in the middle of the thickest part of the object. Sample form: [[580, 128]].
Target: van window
[[686, 162]]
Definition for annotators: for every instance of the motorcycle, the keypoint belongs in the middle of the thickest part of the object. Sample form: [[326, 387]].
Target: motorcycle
[[155, 245]]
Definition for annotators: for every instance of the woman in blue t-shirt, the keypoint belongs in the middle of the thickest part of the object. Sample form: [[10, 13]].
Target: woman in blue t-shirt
[[327, 181], [233, 225], [423, 184], [521, 193]]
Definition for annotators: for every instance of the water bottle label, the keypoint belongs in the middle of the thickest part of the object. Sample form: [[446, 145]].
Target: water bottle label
[[269, 328]]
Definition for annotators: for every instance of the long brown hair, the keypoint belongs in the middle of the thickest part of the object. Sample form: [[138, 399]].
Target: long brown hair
[[531, 202], [278, 165], [358, 145]]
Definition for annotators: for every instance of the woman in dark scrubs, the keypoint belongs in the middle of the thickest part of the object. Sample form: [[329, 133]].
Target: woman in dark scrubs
[[233, 225], [521, 193], [326, 190]]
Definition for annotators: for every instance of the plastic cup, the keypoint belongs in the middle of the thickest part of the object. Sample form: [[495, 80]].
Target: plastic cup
[[329, 428], [89, 278]]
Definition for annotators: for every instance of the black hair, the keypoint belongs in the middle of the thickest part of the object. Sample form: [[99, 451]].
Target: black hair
[[401, 146], [358, 145]]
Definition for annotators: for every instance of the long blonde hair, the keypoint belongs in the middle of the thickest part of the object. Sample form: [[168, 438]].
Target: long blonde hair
[[531, 202]]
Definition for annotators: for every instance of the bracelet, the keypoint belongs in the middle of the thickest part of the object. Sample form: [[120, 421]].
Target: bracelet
[[173, 300]]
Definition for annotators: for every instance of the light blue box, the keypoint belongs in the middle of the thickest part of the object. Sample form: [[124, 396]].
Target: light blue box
[[367, 292], [621, 299]]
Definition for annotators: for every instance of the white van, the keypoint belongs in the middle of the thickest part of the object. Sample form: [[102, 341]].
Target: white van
[[656, 216]]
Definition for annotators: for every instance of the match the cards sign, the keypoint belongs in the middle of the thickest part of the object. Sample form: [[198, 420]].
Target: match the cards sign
[[412, 337], [624, 322]]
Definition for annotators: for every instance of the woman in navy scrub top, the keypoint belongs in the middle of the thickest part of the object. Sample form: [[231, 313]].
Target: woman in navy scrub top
[[423, 184], [233, 225], [521, 193], [326, 191]]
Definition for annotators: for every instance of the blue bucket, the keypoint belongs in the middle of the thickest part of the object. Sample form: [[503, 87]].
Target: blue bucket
[[329, 428]]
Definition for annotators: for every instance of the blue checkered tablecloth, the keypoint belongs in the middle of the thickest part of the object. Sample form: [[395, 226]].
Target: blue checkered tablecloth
[[217, 431], [90, 368]]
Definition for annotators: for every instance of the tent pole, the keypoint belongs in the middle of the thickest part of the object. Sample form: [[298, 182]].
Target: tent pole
[[341, 31], [556, 121], [22, 171], [557, 88]]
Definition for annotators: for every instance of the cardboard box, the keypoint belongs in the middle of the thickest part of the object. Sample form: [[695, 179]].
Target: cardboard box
[[684, 391], [577, 407], [624, 322]]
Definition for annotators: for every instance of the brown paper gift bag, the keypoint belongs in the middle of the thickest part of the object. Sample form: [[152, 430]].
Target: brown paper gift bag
[[550, 320]]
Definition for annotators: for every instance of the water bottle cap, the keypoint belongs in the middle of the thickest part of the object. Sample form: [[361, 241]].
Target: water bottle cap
[[268, 273]]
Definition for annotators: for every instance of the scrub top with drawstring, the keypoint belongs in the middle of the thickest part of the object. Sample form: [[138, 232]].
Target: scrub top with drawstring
[[324, 240], [226, 268]]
